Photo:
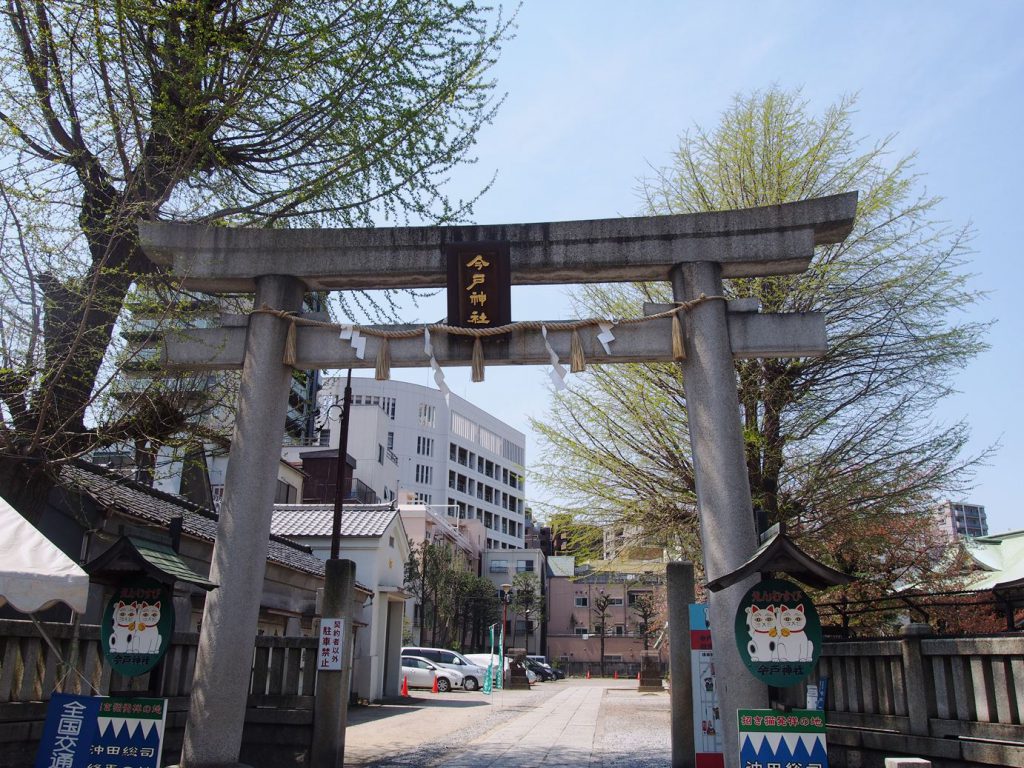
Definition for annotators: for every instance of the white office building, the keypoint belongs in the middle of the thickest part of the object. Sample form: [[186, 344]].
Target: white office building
[[453, 457]]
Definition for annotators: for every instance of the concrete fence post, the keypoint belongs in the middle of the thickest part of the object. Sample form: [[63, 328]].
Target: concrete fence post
[[330, 709], [681, 593], [915, 679]]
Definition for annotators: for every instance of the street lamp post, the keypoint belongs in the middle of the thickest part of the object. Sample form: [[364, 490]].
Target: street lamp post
[[339, 491], [506, 598]]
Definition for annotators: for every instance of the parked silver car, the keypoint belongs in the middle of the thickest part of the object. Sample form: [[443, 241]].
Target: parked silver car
[[421, 673], [472, 675]]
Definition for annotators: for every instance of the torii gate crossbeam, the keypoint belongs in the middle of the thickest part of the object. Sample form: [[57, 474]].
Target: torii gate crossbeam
[[693, 251]]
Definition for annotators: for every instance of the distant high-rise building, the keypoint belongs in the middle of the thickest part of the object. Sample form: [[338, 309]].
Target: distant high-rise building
[[963, 518], [450, 456]]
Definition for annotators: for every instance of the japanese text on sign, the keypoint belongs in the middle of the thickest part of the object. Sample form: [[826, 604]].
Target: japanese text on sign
[[332, 644], [478, 284]]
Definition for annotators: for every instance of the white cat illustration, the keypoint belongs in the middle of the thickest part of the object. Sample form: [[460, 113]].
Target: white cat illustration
[[793, 644], [122, 633], [147, 636], [763, 628]]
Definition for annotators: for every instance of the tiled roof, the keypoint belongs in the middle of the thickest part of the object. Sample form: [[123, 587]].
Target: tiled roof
[[318, 519], [1000, 558], [133, 499]]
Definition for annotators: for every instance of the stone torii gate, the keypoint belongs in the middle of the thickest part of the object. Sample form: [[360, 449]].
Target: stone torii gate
[[693, 251]]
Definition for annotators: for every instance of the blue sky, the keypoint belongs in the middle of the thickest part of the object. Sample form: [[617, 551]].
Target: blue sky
[[598, 92]]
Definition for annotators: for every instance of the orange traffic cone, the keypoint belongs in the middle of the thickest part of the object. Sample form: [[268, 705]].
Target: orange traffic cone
[[434, 689], [405, 685], [615, 676], [588, 674]]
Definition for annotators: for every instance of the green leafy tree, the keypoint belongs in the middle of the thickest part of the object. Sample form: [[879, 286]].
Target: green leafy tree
[[833, 444], [476, 608], [263, 112], [455, 606], [579, 538]]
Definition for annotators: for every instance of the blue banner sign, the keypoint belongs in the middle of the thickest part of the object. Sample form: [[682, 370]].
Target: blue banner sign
[[102, 732]]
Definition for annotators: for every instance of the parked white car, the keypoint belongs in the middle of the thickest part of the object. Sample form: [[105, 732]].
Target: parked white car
[[472, 675], [421, 673]]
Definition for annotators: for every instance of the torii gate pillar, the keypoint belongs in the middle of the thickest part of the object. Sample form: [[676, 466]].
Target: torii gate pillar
[[727, 531], [224, 659]]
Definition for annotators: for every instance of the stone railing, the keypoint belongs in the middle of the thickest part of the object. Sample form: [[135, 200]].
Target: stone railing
[[949, 699]]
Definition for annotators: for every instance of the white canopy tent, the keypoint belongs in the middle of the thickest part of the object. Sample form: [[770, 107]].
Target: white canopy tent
[[35, 574]]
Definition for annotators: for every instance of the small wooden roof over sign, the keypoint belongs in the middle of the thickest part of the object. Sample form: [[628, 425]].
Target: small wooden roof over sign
[[133, 555], [778, 553]]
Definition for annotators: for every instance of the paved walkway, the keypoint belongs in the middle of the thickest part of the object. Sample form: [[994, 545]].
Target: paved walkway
[[555, 724]]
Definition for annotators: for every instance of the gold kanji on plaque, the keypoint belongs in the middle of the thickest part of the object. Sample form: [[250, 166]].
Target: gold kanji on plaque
[[479, 276]]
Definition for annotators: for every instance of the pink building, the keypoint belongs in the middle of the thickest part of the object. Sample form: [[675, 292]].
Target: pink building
[[574, 623]]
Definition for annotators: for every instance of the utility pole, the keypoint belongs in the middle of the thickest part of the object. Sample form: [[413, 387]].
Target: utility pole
[[330, 714]]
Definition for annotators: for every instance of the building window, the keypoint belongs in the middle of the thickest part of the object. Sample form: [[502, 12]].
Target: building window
[[512, 452], [425, 446], [490, 441], [614, 601], [582, 601], [391, 441], [463, 427], [584, 631], [428, 413], [424, 474], [499, 566], [421, 498], [524, 566]]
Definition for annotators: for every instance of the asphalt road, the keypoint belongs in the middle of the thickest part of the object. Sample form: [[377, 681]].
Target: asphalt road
[[558, 723]]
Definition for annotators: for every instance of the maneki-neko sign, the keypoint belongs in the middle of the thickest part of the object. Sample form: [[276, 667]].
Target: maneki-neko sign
[[137, 626], [778, 632]]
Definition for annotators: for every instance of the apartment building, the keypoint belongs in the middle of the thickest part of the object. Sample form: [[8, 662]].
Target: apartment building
[[962, 518], [449, 456]]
